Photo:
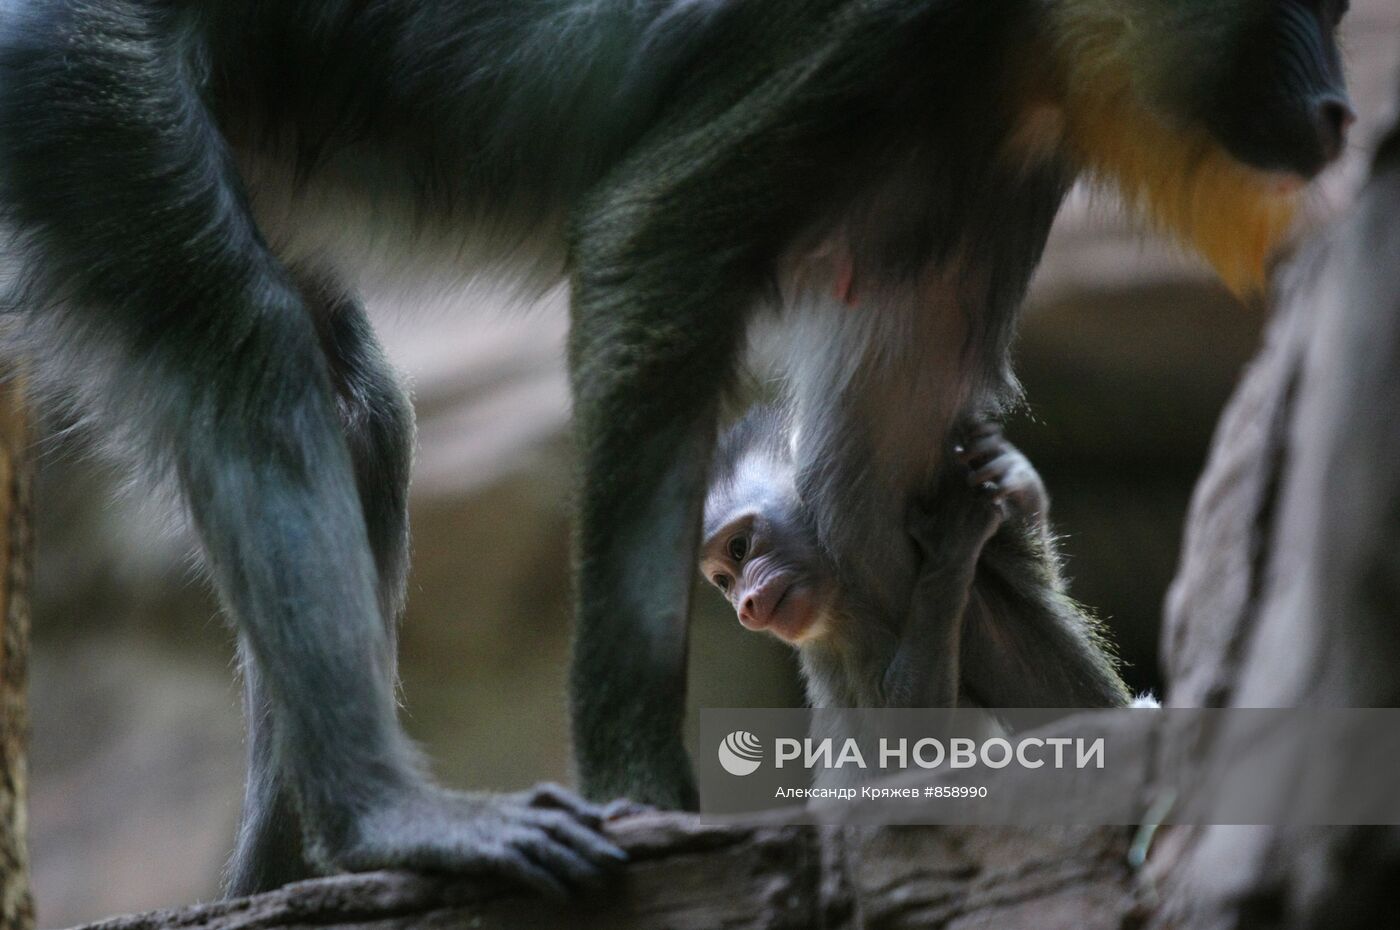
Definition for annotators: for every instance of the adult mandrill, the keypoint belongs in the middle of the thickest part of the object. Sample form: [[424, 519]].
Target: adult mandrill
[[198, 190]]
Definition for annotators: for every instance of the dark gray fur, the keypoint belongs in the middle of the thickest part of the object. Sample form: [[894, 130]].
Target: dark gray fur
[[197, 188]]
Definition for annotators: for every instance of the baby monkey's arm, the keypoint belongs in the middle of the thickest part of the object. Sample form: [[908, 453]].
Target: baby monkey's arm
[[993, 482]]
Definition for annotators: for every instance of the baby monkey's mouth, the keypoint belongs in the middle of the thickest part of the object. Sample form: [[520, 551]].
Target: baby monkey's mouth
[[794, 615], [759, 608]]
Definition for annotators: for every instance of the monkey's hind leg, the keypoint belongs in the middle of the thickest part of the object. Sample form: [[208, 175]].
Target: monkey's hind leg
[[269, 851], [378, 420], [145, 256], [378, 423]]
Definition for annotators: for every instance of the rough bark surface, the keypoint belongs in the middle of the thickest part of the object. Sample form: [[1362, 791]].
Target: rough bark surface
[[16, 902], [685, 875], [1290, 585]]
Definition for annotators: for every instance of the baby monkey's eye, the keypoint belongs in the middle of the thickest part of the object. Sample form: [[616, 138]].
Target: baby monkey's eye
[[738, 548], [721, 582]]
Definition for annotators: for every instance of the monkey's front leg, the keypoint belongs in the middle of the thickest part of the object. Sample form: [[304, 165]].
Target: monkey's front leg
[[967, 510], [645, 415], [657, 320], [638, 515]]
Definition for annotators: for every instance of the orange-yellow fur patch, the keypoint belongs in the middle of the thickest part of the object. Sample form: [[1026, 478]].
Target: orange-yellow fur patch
[[1177, 178]]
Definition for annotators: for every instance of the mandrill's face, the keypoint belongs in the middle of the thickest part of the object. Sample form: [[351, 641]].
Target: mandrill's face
[[1208, 116], [1269, 87], [761, 552]]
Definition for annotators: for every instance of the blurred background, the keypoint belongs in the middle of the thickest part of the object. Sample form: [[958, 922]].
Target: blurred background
[[1127, 352]]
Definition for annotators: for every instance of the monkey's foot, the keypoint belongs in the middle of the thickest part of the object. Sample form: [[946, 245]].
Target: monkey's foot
[[546, 838], [1001, 471]]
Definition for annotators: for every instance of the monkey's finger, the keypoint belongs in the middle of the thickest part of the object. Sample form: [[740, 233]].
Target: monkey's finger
[[981, 450], [469, 855], [550, 796], [513, 864], [588, 842], [993, 472], [976, 454], [625, 807], [562, 862]]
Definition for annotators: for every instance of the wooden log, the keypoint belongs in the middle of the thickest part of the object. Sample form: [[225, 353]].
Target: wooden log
[[16, 901], [688, 876]]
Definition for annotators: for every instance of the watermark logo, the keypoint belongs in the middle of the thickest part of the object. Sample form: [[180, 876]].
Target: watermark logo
[[740, 753]]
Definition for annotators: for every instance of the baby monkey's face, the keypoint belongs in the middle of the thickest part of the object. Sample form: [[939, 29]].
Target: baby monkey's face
[[761, 552]]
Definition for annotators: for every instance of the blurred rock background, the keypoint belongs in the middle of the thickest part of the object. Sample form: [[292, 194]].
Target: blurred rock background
[[1127, 352]]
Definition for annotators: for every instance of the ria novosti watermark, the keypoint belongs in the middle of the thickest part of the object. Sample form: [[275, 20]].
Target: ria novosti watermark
[[1023, 767], [741, 753]]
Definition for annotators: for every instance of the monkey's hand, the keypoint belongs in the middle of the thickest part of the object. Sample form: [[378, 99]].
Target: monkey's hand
[[1000, 470], [545, 838], [950, 532]]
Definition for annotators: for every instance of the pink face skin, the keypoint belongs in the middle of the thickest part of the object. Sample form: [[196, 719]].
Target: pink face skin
[[770, 574]]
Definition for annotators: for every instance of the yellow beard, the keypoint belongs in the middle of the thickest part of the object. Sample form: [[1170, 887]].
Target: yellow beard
[[1176, 178]]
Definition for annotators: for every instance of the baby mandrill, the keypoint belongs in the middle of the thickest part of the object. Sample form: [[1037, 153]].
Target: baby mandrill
[[989, 624]]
